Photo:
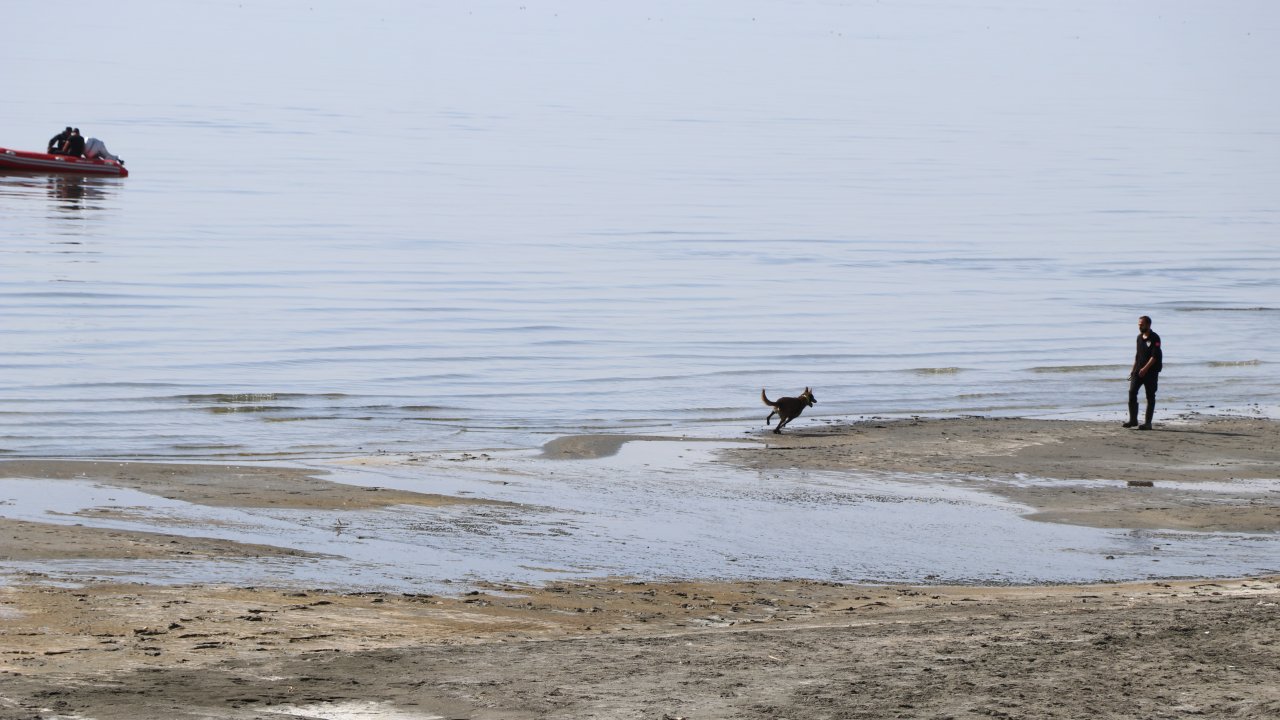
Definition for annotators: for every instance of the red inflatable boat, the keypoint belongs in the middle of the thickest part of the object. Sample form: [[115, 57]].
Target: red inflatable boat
[[44, 163]]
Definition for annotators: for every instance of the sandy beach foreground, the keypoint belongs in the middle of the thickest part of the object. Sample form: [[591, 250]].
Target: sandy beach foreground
[[693, 648]]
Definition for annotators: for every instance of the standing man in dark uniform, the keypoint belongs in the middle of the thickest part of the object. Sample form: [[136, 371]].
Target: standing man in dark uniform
[[1147, 363]]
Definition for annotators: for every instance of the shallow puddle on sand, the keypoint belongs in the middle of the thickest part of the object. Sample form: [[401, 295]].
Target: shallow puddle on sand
[[655, 509], [347, 711], [323, 711], [1243, 487]]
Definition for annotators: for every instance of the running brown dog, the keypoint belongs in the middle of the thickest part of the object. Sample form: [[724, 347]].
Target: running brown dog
[[787, 408]]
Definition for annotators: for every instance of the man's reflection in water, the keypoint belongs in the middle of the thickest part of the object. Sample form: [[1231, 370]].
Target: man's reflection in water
[[66, 197], [72, 193]]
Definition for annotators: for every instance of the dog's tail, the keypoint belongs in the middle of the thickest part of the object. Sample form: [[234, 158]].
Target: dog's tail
[[766, 399]]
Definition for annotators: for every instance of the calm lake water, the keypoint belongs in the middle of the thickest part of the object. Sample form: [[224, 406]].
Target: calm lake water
[[401, 226]]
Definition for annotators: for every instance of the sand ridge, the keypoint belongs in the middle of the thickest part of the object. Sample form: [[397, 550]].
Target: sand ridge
[[221, 485], [1154, 475]]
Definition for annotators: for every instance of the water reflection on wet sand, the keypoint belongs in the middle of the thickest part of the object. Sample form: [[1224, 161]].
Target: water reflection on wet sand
[[654, 509]]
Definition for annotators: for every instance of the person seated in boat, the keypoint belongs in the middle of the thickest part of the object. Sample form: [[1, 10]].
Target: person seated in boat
[[95, 149], [75, 144], [58, 142]]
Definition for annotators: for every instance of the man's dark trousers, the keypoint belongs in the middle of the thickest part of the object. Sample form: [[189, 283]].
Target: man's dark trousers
[[1149, 382]]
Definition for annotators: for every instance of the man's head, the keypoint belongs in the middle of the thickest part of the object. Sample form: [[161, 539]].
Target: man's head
[[1144, 324]]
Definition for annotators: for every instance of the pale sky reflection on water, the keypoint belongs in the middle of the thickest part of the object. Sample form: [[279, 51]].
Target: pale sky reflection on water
[[397, 225]]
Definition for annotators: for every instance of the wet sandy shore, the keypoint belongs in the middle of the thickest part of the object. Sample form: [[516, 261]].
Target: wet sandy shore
[[696, 648]]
